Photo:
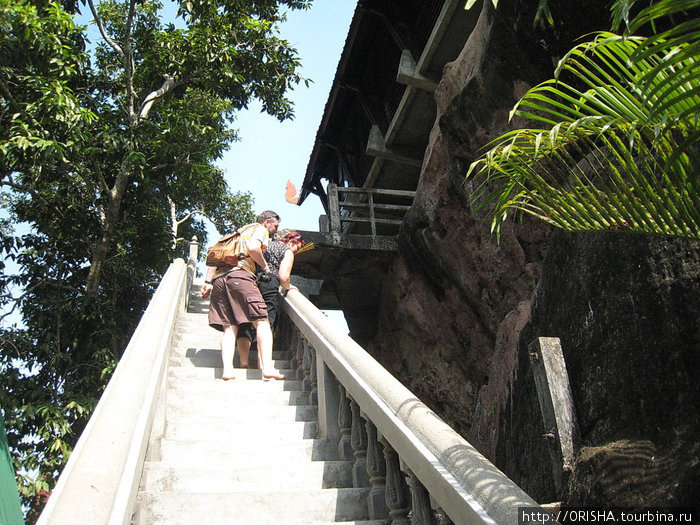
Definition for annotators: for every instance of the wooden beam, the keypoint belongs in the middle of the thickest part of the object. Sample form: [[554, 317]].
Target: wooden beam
[[408, 74], [376, 147], [369, 220], [380, 207], [378, 191], [370, 103], [333, 209], [556, 405], [397, 29]]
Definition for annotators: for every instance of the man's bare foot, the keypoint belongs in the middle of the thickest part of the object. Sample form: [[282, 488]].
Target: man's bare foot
[[274, 375]]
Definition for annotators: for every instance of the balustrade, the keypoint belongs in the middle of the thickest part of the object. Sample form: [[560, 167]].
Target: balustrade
[[397, 496], [349, 206], [358, 440], [345, 423], [376, 470], [419, 471]]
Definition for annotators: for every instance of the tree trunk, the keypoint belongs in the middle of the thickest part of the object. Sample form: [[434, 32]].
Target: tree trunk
[[99, 256], [109, 223], [174, 223]]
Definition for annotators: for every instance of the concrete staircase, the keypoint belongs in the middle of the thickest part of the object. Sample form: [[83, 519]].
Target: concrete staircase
[[241, 451]]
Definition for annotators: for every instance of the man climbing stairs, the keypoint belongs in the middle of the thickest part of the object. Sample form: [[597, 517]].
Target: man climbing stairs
[[241, 451]]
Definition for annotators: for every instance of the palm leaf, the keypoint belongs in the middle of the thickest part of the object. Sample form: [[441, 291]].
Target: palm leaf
[[620, 148]]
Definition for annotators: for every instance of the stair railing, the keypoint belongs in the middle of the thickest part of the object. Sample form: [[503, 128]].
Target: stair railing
[[99, 483], [418, 468], [357, 205]]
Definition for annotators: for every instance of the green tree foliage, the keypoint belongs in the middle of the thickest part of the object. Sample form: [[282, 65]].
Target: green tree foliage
[[107, 157], [617, 149], [41, 52]]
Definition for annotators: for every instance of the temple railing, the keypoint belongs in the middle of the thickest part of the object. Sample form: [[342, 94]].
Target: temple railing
[[418, 468], [369, 207], [100, 481]]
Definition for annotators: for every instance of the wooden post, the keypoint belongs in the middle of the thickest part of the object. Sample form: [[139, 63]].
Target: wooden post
[[556, 405], [372, 218], [334, 208]]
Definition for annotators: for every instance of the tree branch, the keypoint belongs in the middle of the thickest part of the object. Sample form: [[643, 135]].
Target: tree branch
[[102, 181], [26, 291], [103, 32], [129, 65], [168, 84], [190, 214], [4, 88]]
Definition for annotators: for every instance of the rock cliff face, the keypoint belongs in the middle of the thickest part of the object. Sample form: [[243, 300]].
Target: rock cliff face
[[458, 309]]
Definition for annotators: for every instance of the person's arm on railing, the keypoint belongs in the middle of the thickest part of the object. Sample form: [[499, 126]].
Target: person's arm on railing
[[285, 271]]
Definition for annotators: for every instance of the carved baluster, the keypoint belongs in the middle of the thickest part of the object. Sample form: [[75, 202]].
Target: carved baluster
[[299, 357], [397, 496], [376, 469], [306, 367], [313, 394], [421, 511], [345, 424], [359, 447]]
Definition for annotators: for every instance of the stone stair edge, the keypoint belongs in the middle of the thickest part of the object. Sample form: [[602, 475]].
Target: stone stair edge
[[289, 492], [317, 505]]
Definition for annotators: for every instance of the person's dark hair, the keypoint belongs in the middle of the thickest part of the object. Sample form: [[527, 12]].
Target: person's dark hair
[[267, 214]]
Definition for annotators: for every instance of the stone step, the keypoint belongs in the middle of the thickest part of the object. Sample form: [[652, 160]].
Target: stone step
[[198, 348], [197, 325], [191, 323], [211, 374], [271, 430], [241, 451], [245, 389], [194, 322], [187, 477], [210, 359], [233, 391], [196, 382], [238, 408], [291, 507], [188, 329]]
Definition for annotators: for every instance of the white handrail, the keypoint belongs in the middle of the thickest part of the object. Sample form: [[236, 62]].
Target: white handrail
[[468, 487], [99, 482]]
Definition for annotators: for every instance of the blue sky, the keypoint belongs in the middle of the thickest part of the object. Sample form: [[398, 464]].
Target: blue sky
[[269, 152]]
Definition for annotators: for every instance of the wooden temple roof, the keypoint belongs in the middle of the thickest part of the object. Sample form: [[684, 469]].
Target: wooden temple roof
[[381, 108]]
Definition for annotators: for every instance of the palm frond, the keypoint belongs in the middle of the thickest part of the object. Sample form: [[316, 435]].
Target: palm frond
[[619, 150]]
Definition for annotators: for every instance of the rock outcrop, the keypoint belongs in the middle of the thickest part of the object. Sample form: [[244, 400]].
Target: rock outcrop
[[458, 308]]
